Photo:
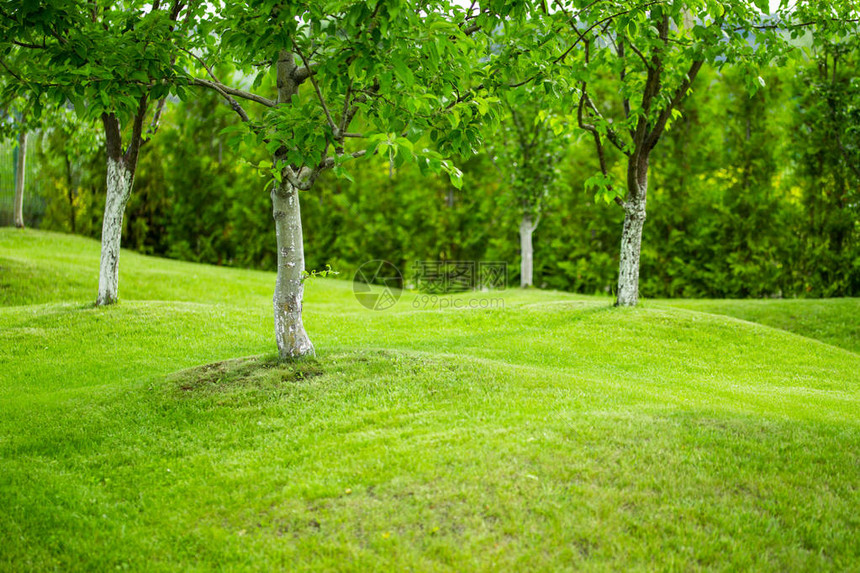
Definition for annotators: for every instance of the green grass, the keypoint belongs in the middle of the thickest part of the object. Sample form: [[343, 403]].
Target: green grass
[[556, 433], [834, 321]]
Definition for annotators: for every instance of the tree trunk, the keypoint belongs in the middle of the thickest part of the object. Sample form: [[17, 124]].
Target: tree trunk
[[19, 179], [527, 227], [631, 247], [293, 341], [631, 234], [120, 179], [72, 194]]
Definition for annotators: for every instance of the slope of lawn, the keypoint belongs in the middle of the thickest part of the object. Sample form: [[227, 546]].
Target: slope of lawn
[[556, 433], [834, 321]]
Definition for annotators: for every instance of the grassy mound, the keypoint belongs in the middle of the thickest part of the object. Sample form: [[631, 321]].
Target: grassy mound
[[555, 433], [255, 374], [834, 321]]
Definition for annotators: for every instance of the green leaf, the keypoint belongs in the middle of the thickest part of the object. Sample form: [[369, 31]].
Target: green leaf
[[342, 173], [403, 73]]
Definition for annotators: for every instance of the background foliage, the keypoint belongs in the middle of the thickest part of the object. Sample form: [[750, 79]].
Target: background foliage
[[750, 197]]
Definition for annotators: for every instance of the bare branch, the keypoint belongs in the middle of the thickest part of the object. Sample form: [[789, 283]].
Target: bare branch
[[601, 156]]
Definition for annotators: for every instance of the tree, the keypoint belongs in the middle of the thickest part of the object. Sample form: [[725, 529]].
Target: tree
[[17, 123], [373, 75], [627, 66], [20, 162], [828, 167], [112, 61], [70, 148], [527, 149], [655, 52]]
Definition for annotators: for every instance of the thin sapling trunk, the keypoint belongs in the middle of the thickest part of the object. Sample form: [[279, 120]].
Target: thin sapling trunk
[[527, 228], [20, 173]]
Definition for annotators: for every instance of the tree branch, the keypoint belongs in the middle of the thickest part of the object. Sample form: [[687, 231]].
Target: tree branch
[[156, 118], [639, 53], [610, 133], [304, 72], [113, 138], [601, 155], [606, 21], [319, 94], [344, 118], [28, 45], [290, 175], [202, 63], [137, 132], [329, 162], [585, 101], [13, 74], [794, 26], [175, 9], [660, 126], [218, 86]]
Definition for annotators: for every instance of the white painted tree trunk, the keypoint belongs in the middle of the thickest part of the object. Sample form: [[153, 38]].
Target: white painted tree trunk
[[20, 173], [631, 247], [293, 341], [527, 228], [119, 183], [631, 233]]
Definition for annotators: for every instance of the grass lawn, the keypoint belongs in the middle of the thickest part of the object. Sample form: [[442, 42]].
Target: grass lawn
[[556, 433], [834, 321]]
